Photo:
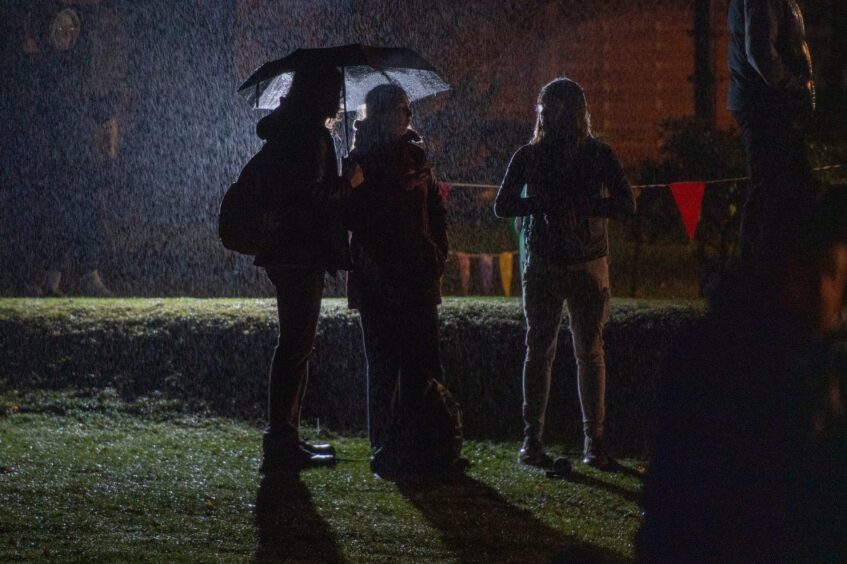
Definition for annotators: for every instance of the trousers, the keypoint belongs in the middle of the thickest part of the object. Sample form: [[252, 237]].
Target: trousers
[[585, 288], [298, 300]]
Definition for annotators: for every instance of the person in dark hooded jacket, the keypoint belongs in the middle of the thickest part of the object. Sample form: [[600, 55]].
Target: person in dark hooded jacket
[[399, 247], [305, 238]]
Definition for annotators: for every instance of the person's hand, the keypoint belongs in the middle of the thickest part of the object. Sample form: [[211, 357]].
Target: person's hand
[[354, 175], [565, 215], [558, 209], [415, 178]]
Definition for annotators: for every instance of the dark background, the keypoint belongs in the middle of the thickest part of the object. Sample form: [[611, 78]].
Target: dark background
[[185, 134]]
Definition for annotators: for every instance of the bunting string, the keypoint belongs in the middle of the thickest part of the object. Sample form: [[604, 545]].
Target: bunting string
[[842, 167], [687, 195]]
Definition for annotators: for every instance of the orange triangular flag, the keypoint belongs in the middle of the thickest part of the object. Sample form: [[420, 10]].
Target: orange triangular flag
[[689, 201]]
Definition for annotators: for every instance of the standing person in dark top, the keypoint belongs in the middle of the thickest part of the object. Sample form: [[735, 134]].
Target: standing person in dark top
[[574, 183], [76, 64], [399, 247], [772, 96], [751, 445], [307, 198]]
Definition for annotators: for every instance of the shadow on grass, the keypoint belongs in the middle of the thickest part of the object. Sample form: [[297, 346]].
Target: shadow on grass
[[478, 525], [289, 526], [592, 482]]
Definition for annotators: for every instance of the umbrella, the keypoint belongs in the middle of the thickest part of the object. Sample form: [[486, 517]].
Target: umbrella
[[364, 67]]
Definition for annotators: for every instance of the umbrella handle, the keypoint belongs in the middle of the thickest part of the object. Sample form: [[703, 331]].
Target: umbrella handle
[[344, 95]]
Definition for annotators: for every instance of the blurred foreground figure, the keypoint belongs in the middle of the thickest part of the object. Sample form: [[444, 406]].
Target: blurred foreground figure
[[399, 247], [76, 66], [771, 95], [298, 173], [574, 183], [751, 450]]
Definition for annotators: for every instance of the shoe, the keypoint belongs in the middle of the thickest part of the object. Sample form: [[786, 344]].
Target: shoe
[[318, 448], [532, 453], [295, 459], [594, 454], [284, 456], [383, 467], [93, 285]]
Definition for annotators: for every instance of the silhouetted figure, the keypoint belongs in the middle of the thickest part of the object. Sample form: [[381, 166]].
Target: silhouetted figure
[[751, 447], [76, 65], [573, 184], [399, 246], [306, 199], [771, 95]]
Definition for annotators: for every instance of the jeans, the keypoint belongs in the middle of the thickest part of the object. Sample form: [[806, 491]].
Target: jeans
[[298, 302], [585, 288], [781, 194], [401, 346]]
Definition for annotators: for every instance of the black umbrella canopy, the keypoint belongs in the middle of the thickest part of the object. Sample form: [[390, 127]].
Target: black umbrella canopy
[[364, 68]]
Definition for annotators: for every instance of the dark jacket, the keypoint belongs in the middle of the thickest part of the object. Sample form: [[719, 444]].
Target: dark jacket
[[591, 181], [769, 59], [298, 172], [399, 236]]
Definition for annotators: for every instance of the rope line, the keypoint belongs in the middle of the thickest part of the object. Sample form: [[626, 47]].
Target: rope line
[[478, 255], [843, 168]]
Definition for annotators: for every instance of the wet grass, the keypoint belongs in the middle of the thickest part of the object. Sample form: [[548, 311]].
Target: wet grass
[[79, 312], [85, 476]]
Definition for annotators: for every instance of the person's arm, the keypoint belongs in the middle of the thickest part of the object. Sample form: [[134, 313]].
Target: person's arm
[[437, 218], [621, 201], [761, 31], [509, 202]]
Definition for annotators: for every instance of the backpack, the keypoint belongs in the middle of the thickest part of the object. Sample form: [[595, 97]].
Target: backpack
[[431, 444], [238, 220], [242, 209]]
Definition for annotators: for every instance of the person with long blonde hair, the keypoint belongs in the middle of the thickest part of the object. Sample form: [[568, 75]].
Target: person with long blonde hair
[[399, 247], [574, 183]]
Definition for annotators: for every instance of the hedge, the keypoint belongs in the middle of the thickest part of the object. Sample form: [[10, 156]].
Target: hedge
[[216, 353]]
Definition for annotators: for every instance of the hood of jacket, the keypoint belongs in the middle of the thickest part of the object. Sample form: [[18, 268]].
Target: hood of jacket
[[282, 120]]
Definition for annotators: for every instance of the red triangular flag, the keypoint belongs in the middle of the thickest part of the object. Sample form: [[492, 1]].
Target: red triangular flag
[[689, 200]]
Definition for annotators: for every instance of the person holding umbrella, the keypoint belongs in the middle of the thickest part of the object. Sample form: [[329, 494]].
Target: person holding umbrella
[[305, 205], [574, 183], [310, 97], [399, 247]]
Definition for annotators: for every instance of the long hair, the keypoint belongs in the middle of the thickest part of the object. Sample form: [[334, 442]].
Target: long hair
[[368, 124], [567, 95]]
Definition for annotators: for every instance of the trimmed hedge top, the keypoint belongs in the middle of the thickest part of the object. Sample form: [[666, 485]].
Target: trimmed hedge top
[[217, 352]]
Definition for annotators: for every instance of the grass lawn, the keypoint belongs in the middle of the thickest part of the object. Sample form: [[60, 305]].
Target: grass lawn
[[85, 476]]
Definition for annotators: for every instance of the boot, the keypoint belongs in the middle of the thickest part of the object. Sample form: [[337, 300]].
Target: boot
[[317, 448], [51, 286], [594, 453], [286, 456], [532, 453], [93, 285]]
